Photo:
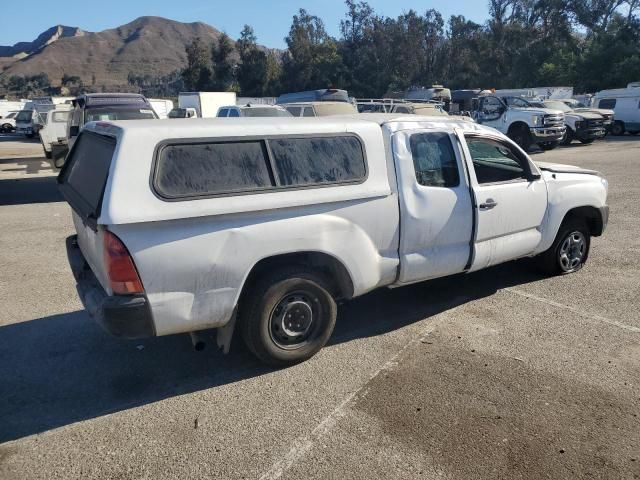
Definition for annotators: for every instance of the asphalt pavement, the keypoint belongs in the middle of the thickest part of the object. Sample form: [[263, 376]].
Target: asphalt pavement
[[501, 374]]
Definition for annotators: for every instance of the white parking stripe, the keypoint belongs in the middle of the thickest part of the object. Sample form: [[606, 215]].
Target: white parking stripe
[[590, 316], [303, 444]]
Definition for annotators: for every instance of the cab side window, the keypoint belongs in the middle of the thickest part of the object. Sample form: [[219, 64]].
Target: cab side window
[[496, 162], [233, 112], [224, 112], [308, 112], [609, 103], [434, 160]]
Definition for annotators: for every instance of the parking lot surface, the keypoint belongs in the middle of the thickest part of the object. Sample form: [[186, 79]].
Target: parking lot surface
[[498, 374]]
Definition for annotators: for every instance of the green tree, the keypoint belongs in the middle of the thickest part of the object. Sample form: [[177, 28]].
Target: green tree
[[223, 78], [252, 73], [197, 74]]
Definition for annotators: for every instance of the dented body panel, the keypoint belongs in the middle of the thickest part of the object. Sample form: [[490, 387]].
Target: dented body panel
[[194, 256]]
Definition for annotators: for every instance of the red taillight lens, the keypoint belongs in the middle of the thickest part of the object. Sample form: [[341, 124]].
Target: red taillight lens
[[122, 273]]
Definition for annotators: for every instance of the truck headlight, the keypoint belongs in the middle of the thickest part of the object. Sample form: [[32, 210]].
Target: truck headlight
[[538, 120]]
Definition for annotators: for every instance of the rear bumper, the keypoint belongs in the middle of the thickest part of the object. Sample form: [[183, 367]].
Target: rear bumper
[[125, 316], [547, 134]]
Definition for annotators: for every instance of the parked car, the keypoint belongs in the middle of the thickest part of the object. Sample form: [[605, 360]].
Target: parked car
[[55, 128], [266, 226], [320, 109], [95, 107], [8, 122], [183, 113], [322, 95], [625, 102], [206, 104], [583, 126], [579, 107], [520, 121], [253, 111], [24, 123], [391, 105]]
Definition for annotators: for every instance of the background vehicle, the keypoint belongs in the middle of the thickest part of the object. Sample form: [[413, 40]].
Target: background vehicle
[[206, 104], [183, 113], [161, 106], [323, 95], [392, 105], [276, 221], [436, 93], [24, 123], [625, 102], [319, 109], [8, 122], [583, 126], [521, 122], [93, 107], [253, 111], [579, 107], [55, 128]]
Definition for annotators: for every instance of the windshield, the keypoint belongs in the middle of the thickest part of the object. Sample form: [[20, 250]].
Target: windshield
[[516, 102], [11, 115], [265, 112], [117, 113], [24, 116], [557, 106]]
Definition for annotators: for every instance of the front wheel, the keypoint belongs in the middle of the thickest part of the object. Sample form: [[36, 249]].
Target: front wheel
[[287, 316], [587, 141], [521, 135], [568, 137], [569, 251]]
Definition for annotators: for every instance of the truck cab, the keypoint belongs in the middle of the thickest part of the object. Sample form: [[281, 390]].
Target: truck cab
[[520, 121]]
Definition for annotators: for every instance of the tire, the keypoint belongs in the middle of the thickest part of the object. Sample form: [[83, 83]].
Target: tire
[[617, 128], [634, 132], [263, 316], [521, 135], [6, 128], [587, 141], [568, 137], [569, 251], [546, 146], [47, 155]]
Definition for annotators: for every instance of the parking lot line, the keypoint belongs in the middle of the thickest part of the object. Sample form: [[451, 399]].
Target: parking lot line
[[303, 444], [590, 316]]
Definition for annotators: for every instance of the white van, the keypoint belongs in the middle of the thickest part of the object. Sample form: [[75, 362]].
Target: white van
[[55, 127], [625, 102]]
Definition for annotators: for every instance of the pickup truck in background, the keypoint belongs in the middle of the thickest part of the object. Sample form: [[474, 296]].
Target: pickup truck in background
[[263, 225], [583, 126], [520, 121]]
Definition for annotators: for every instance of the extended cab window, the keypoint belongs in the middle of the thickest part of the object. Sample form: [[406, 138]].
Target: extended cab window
[[211, 168], [313, 161], [495, 162], [84, 176], [434, 160]]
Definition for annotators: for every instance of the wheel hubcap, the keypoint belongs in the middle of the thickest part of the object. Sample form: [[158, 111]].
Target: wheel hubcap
[[292, 320], [572, 251]]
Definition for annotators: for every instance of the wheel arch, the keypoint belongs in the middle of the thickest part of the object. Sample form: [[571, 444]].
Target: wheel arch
[[591, 215], [516, 125]]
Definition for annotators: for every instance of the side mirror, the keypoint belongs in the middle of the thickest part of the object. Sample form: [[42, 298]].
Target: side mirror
[[74, 130], [534, 176]]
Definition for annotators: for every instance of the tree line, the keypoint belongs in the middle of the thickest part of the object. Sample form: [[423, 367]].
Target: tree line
[[588, 44]]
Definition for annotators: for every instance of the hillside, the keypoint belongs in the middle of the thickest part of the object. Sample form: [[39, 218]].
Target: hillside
[[148, 45]]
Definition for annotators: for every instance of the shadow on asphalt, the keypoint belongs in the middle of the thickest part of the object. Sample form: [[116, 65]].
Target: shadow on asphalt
[[64, 369], [29, 190]]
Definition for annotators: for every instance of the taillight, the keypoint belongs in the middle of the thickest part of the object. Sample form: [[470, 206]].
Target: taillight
[[122, 273]]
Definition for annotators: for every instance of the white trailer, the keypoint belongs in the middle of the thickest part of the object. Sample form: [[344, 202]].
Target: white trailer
[[625, 102], [161, 106], [206, 104]]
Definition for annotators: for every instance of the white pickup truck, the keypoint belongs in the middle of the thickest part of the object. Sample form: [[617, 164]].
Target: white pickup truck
[[267, 223]]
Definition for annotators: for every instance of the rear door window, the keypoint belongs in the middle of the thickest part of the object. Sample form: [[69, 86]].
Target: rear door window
[[233, 112], [84, 175], [223, 112], [434, 160], [295, 111], [192, 170], [313, 161]]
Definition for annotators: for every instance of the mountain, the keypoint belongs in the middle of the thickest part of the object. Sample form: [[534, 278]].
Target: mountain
[[24, 49], [147, 46]]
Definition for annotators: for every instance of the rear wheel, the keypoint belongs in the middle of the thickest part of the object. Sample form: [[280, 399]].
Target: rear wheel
[[617, 128], [522, 136], [7, 127], [569, 251], [287, 316]]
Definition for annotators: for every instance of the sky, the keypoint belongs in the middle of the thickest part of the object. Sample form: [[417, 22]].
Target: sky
[[271, 19]]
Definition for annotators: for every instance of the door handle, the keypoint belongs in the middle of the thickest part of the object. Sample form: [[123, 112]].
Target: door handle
[[488, 204]]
